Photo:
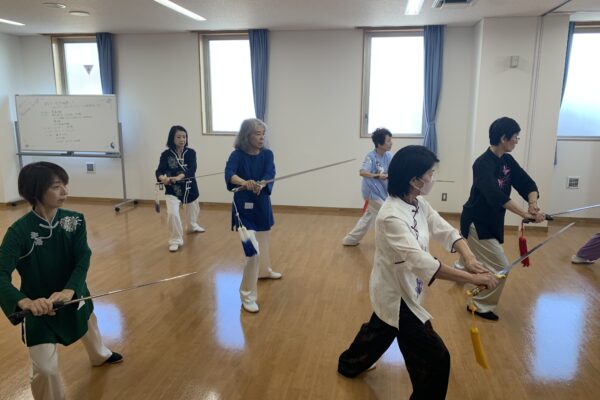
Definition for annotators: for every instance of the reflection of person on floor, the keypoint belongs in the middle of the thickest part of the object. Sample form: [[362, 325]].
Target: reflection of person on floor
[[374, 184], [495, 173], [48, 247], [589, 252], [249, 166], [402, 269], [177, 170]]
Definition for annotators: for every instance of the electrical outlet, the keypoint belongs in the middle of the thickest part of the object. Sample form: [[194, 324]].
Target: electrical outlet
[[90, 167], [444, 196]]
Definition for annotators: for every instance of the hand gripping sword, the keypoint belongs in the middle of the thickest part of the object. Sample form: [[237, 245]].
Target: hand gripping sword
[[18, 317], [550, 217]]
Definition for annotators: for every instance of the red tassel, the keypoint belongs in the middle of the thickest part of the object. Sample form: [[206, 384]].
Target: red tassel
[[364, 209], [523, 246]]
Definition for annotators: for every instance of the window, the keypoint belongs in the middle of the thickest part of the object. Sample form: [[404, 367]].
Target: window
[[76, 65], [226, 78], [393, 82], [580, 109]]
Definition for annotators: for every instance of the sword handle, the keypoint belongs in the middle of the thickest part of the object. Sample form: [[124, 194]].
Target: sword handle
[[478, 289], [19, 316], [547, 217]]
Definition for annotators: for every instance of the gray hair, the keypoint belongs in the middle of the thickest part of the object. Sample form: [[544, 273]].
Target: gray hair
[[242, 140]]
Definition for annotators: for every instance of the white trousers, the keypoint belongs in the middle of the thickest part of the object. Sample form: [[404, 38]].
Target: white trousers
[[364, 223], [491, 255], [46, 383], [192, 211], [258, 266]]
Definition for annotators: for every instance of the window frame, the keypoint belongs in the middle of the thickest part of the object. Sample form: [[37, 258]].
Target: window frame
[[368, 34], [581, 27], [58, 58], [205, 84]]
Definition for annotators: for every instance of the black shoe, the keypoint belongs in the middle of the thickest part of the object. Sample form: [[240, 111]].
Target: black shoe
[[486, 315], [114, 358]]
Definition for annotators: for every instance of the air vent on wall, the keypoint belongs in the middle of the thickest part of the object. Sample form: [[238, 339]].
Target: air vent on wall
[[444, 3], [572, 182]]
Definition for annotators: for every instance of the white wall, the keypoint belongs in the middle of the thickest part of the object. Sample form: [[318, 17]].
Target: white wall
[[577, 158], [313, 110], [10, 75], [529, 93], [454, 119]]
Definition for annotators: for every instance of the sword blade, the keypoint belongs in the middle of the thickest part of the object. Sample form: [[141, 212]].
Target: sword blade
[[502, 274], [279, 178], [196, 177], [534, 249], [575, 210], [18, 317]]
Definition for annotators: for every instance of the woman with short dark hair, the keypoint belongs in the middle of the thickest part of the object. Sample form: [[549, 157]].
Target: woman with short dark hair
[[374, 184], [402, 268], [495, 173], [48, 247]]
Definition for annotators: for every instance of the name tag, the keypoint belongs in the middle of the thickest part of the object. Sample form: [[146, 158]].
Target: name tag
[[248, 206]]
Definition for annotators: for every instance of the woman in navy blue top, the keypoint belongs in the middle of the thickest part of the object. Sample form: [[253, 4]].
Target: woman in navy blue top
[[250, 165], [177, 170]]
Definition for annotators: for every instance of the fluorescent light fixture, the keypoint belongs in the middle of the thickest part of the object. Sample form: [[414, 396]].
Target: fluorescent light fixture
[[80, 13], [180, 10], [8, 21], [413, 7], [55, 5]]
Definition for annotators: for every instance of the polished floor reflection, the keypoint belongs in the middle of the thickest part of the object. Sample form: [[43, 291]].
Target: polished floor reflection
[[228, 327], [558, 337], [189, 339]]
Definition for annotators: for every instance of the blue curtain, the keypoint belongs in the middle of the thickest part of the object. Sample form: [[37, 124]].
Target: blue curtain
[[565, 74], [567, 57], [259, 59], [107, 66], [434, 53]]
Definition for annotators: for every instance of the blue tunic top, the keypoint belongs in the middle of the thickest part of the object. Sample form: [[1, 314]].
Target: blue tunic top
[[255, 211], [170, 164], [373, 188]]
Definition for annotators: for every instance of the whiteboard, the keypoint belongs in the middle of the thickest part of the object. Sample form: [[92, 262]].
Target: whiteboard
[[77, 123]]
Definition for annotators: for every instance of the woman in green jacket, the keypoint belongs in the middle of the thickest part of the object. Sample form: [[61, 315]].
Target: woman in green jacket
[[48, 247]]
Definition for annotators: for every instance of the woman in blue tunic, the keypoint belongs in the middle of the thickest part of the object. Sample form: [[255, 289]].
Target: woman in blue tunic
[[249, 166], [177, 170]]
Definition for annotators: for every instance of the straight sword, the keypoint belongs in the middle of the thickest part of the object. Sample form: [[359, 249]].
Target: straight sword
[[550, 217], [279, 178], [18, 317], [502, 274]]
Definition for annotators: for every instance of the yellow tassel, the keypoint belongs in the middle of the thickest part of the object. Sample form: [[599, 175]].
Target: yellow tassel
[[478, 348]]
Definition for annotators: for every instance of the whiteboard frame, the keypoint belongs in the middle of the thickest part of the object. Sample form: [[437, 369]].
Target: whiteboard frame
[[21, 153], [96, 97]]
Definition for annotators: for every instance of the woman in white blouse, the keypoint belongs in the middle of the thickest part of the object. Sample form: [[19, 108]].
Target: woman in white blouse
[[402, 267]]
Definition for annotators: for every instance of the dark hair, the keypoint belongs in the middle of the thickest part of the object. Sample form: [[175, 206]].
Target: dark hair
[[503, 126], [171, 138], [35, 179], [378, 136], [409, 162]]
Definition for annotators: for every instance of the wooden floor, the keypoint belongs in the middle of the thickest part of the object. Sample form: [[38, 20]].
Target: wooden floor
[[188, 339]]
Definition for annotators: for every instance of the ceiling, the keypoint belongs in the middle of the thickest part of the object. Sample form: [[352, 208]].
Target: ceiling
[[147, 16]]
